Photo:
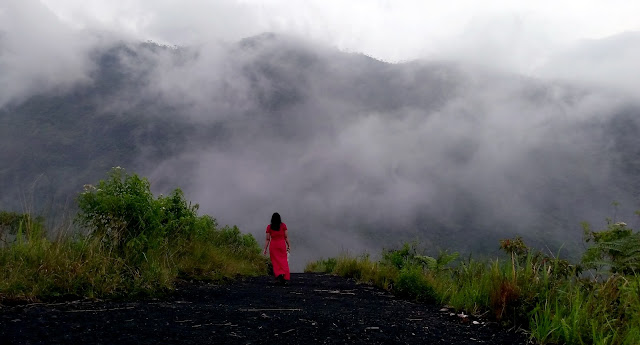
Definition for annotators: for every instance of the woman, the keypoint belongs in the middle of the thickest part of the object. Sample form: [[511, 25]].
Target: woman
[[278, 243]]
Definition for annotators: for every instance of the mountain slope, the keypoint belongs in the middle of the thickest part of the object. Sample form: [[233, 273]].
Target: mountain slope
[[355, 153]]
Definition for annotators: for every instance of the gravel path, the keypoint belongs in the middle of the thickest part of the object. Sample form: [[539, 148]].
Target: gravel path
[[313, 309]]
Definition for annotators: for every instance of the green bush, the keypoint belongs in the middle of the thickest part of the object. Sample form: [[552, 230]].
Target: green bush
[[233, 238], [399, 257], [412, 283], [136, 244], [124, 215], [617, 247], [408, 256]]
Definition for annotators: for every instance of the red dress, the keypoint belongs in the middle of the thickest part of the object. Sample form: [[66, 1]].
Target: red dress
[[278, 251]]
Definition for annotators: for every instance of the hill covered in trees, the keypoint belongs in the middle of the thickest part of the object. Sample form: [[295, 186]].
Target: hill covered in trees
[[357, 154]]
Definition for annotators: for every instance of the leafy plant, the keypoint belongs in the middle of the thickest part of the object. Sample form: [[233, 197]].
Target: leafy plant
[[124, 215], [516, 249], [437, 264], [400, 257], [617, 247]]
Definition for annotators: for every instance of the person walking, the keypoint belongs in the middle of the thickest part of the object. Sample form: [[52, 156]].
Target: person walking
[[278, 243]]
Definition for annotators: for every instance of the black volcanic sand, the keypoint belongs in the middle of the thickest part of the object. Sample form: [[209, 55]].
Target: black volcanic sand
[[313, 309]]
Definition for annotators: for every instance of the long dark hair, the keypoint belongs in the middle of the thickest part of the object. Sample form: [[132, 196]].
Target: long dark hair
[[275, 222]]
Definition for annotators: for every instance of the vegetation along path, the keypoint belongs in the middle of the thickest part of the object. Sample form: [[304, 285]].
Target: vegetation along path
[[314, 308]]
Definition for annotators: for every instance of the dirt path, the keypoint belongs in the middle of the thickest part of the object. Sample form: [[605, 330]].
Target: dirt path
[[314, 309]]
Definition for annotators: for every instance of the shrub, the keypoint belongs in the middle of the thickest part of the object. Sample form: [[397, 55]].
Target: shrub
[[136, 244], [617, 247], [123, 214], [399, 257], [413, 283]]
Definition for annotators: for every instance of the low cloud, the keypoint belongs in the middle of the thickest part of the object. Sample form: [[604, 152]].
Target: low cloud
[[353, 151], [39, 53], [506, 130], [609, 63]]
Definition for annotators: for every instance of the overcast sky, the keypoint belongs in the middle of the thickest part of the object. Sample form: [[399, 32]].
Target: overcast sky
[[389, 30], [541, 39]]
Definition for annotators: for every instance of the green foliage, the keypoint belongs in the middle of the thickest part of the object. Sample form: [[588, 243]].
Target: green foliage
[[137, 244], [588, 312], [231, 237], [617, 247], [352, 267], [408, 256], [437, 264], [322, 266], [516, 249], [19, 224], [400, 257], [122, 212], [530, 288], [514, 246], [413, 283], [219, 254], [468, 286], [361, 268]]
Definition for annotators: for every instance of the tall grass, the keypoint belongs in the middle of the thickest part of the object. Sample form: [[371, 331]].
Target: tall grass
[[134, 244], [39, 268], [545, 295]]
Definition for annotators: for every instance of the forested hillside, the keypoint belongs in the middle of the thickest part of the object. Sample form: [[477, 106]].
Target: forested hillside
[[354, 152]]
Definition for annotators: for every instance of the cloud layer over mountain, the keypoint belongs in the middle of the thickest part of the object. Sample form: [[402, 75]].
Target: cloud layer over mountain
[[354, 152]]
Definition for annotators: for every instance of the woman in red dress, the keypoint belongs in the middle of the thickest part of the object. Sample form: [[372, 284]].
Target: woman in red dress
[[278, 243]]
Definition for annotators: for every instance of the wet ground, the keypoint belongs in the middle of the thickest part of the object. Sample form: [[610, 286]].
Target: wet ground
[[313, 309]]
